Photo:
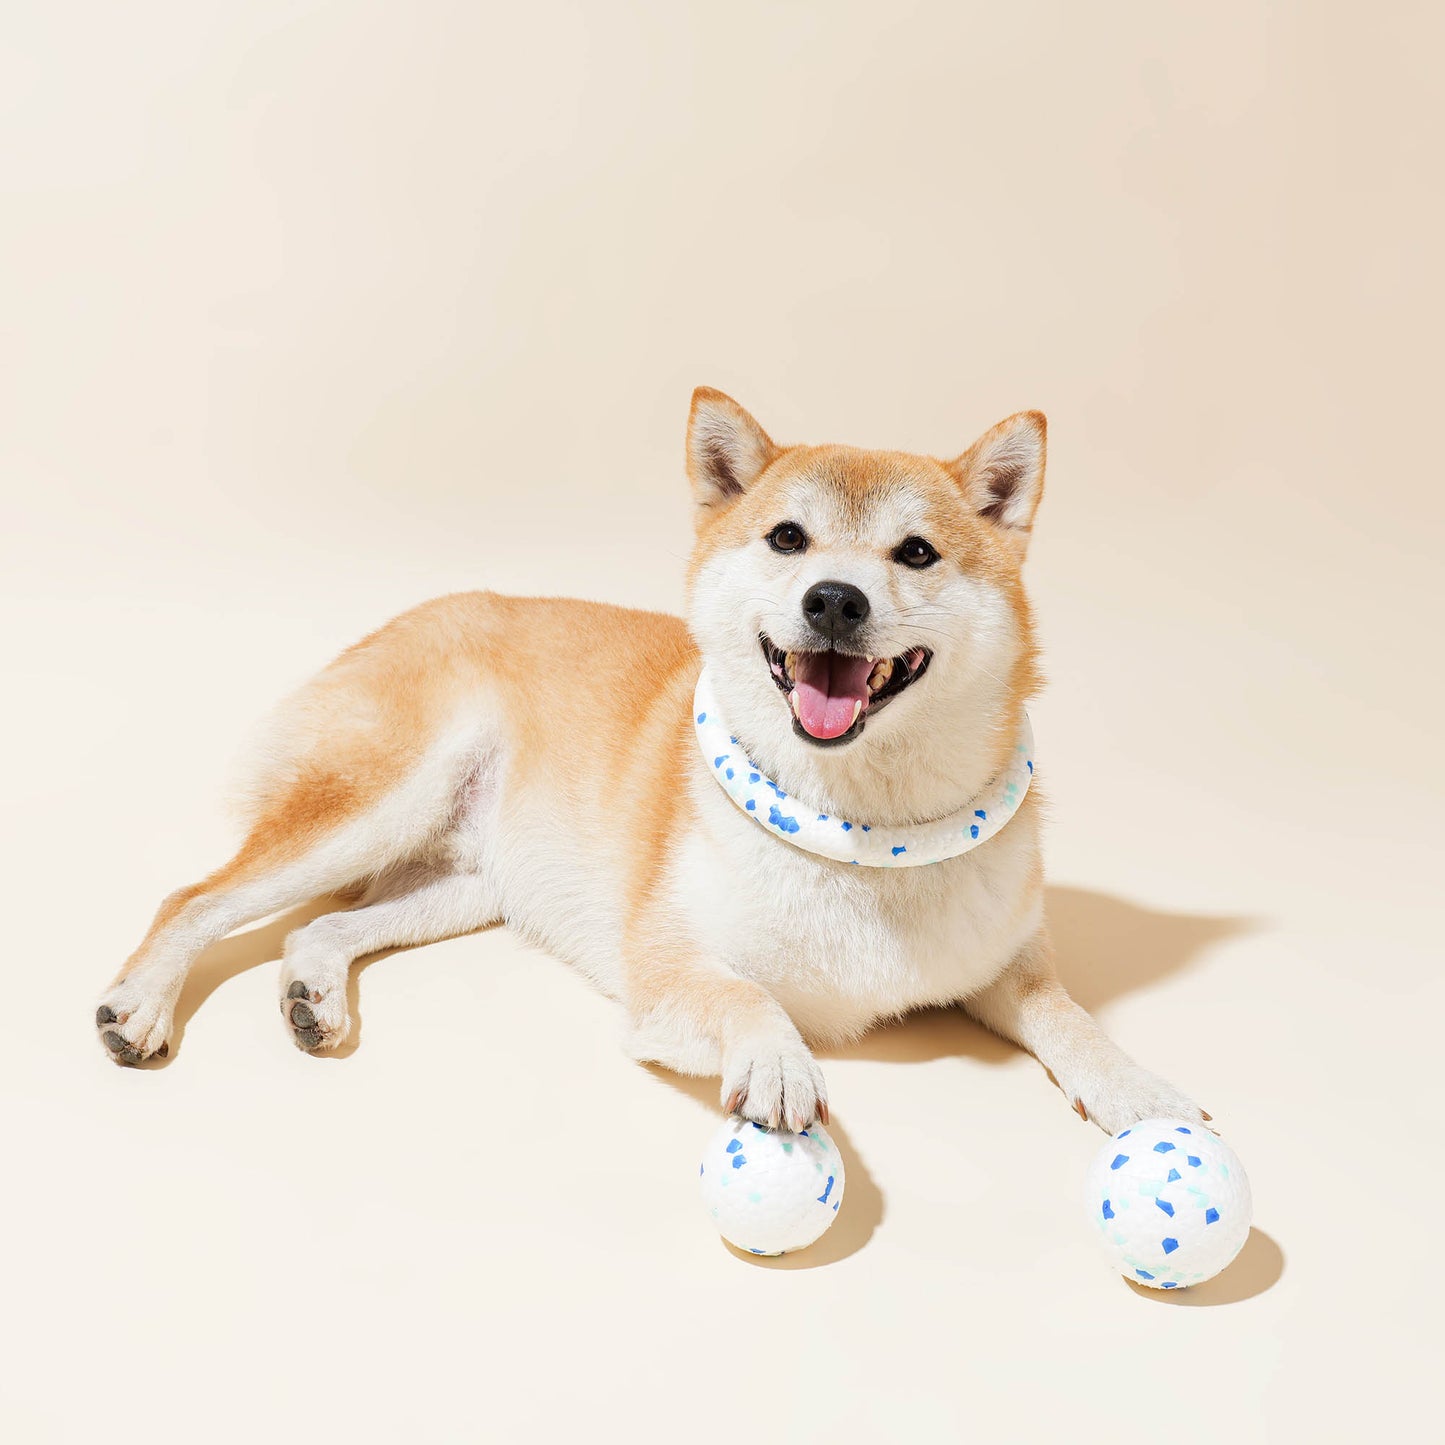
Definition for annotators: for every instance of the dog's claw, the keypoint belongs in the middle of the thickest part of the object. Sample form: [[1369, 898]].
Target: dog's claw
[[778, 1087], [1080, 1110]]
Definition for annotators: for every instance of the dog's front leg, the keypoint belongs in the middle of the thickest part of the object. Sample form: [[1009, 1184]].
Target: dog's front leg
[[701, 1018], [1028, 1005]]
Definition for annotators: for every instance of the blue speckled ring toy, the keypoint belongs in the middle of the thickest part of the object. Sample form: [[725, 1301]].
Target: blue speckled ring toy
[[841, 839]]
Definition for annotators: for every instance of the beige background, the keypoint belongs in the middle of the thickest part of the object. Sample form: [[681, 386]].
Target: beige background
[[311, 311]]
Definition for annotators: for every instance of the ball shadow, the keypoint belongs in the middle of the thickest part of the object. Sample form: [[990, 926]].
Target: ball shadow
[[1256, 1268]]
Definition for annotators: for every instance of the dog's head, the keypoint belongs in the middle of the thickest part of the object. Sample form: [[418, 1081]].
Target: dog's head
[[861, 612]]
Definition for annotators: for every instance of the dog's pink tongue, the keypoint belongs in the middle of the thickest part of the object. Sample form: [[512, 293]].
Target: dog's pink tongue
[[829, 686]]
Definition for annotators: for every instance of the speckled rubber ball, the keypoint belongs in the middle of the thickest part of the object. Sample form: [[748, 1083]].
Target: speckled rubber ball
[[769, 1191], [1170, 1201]]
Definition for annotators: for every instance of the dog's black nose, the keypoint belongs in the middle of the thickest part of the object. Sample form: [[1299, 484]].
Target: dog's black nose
[[835, 609]]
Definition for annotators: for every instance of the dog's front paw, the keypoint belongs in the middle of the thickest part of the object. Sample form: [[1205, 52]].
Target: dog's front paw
[[1126, 1095], [776, 1082], [134, 1023], [316, 1011]]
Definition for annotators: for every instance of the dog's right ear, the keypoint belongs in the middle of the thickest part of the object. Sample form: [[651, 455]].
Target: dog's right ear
[[726, 449]]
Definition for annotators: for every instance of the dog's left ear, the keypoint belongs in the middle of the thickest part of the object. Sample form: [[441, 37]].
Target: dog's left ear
[[1002, 474], [726, 449]]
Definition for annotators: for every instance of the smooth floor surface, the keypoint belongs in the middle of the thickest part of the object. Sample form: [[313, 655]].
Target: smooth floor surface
[[314, 311]]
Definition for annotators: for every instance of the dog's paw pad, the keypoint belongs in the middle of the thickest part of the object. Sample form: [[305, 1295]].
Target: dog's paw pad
[[133, 1035], [317, 1015]]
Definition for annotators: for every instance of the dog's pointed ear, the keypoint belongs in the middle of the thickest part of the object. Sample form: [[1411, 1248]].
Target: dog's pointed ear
[[726, 449], [1002, 474]]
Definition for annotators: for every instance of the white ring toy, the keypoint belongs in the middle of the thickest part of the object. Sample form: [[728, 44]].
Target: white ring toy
[[843, 840]]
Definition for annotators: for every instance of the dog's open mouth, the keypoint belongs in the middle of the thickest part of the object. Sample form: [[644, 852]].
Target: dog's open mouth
[[832, 693]]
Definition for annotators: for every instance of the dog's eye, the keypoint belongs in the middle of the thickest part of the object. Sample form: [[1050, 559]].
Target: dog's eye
[[915, 552], [787, 537]]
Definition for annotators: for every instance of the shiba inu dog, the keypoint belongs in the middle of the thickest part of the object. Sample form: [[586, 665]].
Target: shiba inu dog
[[865, 634]]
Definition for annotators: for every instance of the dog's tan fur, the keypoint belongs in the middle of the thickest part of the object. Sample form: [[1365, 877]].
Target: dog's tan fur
[[482, 757]]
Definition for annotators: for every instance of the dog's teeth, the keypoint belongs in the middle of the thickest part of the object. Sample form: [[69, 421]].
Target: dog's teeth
[[793, 703], [857, 708], [789, 660], [882, 671]]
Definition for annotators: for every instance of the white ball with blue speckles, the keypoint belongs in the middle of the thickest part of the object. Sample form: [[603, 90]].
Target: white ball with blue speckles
[[768, 1191], [1171, 1203]]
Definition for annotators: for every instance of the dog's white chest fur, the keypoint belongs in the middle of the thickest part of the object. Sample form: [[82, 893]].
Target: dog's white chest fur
[[841, 947]]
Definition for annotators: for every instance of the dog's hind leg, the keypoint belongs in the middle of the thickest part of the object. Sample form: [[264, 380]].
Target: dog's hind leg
[[323, 827], [416, 906]]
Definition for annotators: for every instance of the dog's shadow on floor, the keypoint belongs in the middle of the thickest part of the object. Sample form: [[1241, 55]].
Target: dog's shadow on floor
[[1107, 947], [241, 952], [235, 955]]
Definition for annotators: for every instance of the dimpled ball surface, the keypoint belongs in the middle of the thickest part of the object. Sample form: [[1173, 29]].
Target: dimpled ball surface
[[1170, 1201], [768, 1191]]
